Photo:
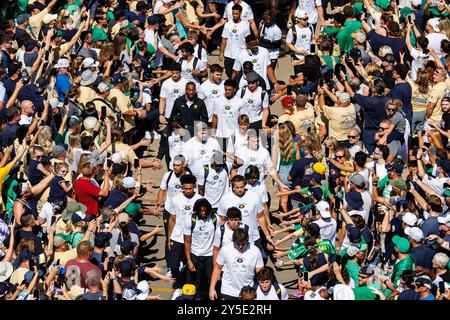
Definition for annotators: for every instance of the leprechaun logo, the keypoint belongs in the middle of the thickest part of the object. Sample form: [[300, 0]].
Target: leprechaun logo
[[188, 70], [254, 61], [176, 91], [234, 30], [202, 152], [304, 36], [177, 186], [242, 206]]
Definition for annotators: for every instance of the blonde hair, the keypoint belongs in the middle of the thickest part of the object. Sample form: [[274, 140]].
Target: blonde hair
[[347, 154], [74, 141], [83, 158], [25, 244], [331, 140], [285, 142], [444, 25], [59, 166], [117, 181], [45, 139], [396, 103], [106, 50], [313, 140]]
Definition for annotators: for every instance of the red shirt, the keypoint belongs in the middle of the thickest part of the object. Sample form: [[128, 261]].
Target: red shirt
[[84, 267], [87, 193]]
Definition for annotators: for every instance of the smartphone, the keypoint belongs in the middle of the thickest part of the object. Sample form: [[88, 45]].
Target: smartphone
[[58, 284], [442, 287], [53, 220], [327, 152], [104, 273], [32, 263], [305, 276], [312, 47], [122, 123], [321, 82], [66, 101], [410, 20], [289, 90], [47, 54], [402, 50], [109, 163], [129, 171], [36, 294], [102, 118], [338, 259], [337, 205], [136, 163]]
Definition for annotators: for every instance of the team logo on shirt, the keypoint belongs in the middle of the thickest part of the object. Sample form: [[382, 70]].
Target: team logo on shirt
[[250, 101], [252, 159], [216, 177], [188, 70], [214, 92], [202, 152], [234, 30], [227, 107], [254, 61], [176, 91], [304, 36], [187, 208], [176, 140], [239, 260], [195, 106], [242, 206], [177, 186]]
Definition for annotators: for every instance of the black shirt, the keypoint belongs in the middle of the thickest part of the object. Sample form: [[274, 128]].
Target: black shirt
[[445, 125], [196, 111]]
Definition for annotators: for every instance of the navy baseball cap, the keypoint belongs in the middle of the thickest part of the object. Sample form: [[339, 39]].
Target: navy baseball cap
[[102, 239], [118, 78]]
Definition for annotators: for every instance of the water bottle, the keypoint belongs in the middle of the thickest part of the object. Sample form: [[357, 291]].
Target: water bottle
[[148, 136]]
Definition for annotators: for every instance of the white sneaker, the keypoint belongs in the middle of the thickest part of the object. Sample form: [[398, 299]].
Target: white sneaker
[[181, 266], [176, 294], [156, 135], [169, 272]]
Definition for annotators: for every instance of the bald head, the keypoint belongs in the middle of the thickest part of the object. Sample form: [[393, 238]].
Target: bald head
[[27, 107]]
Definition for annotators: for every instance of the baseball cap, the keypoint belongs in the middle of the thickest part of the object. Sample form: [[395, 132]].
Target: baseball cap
[[21, 18], [88, 77], [394, 166], [444, 220], [416, 3], [414, 233], [287, 101], [79, 216], [359, 36], [319, 167], [188, 292], [398, 183], [89, 123], [252, 76], [89, 63], [444, 164], [41, 84], [367, 270], [126, 268], [58, 151], [128, 182], [301, 14], [358, 180], [73, 121], [344, 97], [58, 240], [71, 208], [393, 27], [434, 23], [123, 218], [324, 209], [126, 247], [401, 243], [103, 87], [409, 218], [152, 20], [423, 282], [354, 248], [48, 17], [383, 3], [354, 200], [102, 239], [118, 78], [62, 63]]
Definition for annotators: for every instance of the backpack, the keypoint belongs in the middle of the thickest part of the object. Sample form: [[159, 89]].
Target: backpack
[[275, 284], [171, 173], [194, 65], [263, 93], [222, 231], [194, 222], [206, 173]]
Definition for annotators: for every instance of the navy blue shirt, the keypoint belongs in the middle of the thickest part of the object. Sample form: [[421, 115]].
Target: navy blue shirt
[[321, 278], [423, 256], [430, 226], [403, 92], [374, 110], [10, 85], [34, 175], [409, 294], [298, 171], [56, 191], [115, 198], [376, 41], [9, 134]]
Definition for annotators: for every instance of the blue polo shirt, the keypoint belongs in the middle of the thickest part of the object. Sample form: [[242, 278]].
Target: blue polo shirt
[[374, 110], [116, 198], [423, 256], [62, 85]]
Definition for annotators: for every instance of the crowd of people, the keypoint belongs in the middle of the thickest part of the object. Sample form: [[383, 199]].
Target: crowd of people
[[347, 186]]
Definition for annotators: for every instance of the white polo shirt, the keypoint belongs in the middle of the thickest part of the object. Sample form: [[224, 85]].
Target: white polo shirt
[[255, 102], [216, 184], [235, 34], [302, 41]]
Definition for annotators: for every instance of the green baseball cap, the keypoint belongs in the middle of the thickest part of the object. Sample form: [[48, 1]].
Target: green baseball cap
[[358, 7], [133, 208], [383, 3], [447, 192], [401, 243]]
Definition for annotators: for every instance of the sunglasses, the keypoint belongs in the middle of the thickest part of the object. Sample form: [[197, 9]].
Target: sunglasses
[[351, 137], [382, 129], [339, 157], [390, 109]]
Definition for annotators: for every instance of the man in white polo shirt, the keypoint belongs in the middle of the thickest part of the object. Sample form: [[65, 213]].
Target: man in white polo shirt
[[239, 260]]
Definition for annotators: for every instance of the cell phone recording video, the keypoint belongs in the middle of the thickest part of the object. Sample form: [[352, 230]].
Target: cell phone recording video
[[136, 163], [305, 276], [103, 116], [53, 220], [289, 90]]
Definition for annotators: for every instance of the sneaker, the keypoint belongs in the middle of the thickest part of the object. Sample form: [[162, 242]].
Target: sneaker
[[181, 266], [176, 294], [297, 293], [169, 272]]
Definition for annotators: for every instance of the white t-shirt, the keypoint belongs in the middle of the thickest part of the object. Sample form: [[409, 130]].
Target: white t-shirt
[[202, 237], [272, 294], [209, 92], [302, 41], [217, 184], [203, 54], [188, 66], [227, 235], [239, 267], [176, 143], [198, 154], [235, 34], [173, 187], [182, 207], [25, 120], [171, 90], [260, 61], [227, 112], [327, 228], [247, 12], [418, 60], [47, 214], [151, 37], [237, 142], [259, 158], [272, 33], [254, 103], [260, 188], [310, 6], [434, 42], [250, 205]]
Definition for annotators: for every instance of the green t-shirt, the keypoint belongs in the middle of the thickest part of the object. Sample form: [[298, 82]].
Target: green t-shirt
[[353, 270], [329, 60], [133, 208], [399, 267], [75, 238], [344, 36], [326, 192], [331, 31], [325, 246], [364, 293]]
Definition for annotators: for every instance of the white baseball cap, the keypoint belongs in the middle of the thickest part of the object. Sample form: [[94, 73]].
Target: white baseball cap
[[90, 63], [301, 14], [414, 233], [129, 182], [434, 23], [410, 219], [324, 209], [62, 63], [49, 18]]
